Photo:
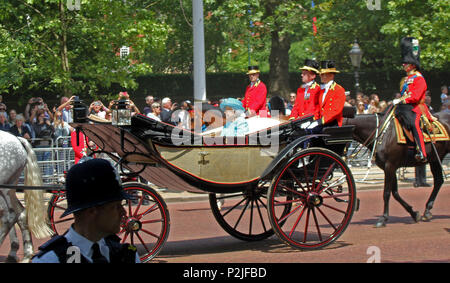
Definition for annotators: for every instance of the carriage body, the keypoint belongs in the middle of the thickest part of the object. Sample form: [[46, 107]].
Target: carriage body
[[275, 180]]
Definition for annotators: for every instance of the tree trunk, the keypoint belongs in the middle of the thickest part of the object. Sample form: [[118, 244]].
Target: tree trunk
[[63, 48], [278, 84]]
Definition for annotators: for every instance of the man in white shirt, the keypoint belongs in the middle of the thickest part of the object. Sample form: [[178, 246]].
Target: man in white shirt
[[94, 195]]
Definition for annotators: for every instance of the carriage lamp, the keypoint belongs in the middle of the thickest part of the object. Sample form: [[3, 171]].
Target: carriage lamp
[[356, 56], [121, 113], [79, 111]]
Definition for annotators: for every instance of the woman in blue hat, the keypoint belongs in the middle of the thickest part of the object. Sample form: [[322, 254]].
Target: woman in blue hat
[[236, 125]]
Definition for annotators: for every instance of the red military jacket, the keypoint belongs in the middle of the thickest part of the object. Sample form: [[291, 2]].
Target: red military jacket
[[307, 101], [255, 97], [414, 89], [331, 104]]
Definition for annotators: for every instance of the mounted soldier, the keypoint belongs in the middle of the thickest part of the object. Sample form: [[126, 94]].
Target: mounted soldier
[[411, 105]]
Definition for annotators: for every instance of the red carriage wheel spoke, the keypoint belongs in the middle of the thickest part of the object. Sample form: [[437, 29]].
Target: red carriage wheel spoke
[[242, 213], [152, 221], [139, 205], [251, 219], [143, 243], [323, 178], [326, 218], [155, 207], [334, 208], [306, 225], [232, 208], [293, 191], [150, 233], [125, 237], [296, 222], [289, 214], [305, 172], [316, 171], [260, 215], [280, 203], [296, 180], [334, 196], [317, 225]]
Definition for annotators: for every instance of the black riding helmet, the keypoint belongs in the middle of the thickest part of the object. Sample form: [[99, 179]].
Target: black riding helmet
[[92, 183]]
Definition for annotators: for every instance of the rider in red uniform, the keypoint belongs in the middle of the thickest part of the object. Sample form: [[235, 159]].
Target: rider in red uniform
[[307, 101], [255, 95], [410, 106]]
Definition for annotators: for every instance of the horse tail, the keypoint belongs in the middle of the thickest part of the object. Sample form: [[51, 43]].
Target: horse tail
[[34, 199]]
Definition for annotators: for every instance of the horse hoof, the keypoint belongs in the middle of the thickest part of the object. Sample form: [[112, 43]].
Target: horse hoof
[[427, 216], [416, 216], [381, 222]]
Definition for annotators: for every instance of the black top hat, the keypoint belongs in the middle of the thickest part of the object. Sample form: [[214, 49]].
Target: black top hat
[[328, 66], [311, 65], [410, 51], [252, 70], [92, 183]]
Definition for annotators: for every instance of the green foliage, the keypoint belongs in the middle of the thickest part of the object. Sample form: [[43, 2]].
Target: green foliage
[[69, 51]]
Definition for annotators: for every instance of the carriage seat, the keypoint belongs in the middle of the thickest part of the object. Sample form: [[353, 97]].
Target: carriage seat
[[338, 135]]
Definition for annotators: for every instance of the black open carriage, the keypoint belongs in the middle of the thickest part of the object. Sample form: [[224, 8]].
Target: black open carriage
[[277, 180]]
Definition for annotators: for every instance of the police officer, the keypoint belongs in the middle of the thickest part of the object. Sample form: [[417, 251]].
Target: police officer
[[410, 105], [94, 195]]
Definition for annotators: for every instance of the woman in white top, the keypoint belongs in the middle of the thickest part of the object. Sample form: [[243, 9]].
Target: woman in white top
[[156, 107]]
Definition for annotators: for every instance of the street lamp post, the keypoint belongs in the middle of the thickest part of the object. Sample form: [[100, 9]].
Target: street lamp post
[[355, 56]]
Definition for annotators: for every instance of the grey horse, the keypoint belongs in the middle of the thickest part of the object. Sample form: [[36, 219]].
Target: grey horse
[[16, 155]]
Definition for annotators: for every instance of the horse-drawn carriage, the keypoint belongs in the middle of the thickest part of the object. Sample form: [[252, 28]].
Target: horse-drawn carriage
[[277, 179]]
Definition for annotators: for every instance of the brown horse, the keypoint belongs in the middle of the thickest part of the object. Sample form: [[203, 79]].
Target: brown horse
[[390, 156]]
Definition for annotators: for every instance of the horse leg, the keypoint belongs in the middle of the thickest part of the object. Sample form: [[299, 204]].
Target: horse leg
[[438, 178], [386, 196], [26, 237], [414, 214], [8, 217], [14, 241]]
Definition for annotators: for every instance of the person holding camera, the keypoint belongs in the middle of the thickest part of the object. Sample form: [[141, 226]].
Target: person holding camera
[[44, 132], [34, 105]]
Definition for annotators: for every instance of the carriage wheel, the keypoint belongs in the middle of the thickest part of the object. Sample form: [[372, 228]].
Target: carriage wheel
[[243, 215], [56, 206], [147, 215], [323, 197]]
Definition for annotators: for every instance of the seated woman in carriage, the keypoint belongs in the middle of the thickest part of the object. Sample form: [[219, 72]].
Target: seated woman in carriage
[[235, 124]]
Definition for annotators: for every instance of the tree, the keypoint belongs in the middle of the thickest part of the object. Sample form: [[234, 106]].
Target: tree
[[75, 51], [426, 20]]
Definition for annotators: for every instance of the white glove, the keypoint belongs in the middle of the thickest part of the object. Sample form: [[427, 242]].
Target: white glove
[[313, 125], [396, 101], [305, 125]]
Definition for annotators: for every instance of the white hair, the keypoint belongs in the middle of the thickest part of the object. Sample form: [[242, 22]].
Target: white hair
[[165, 100]]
